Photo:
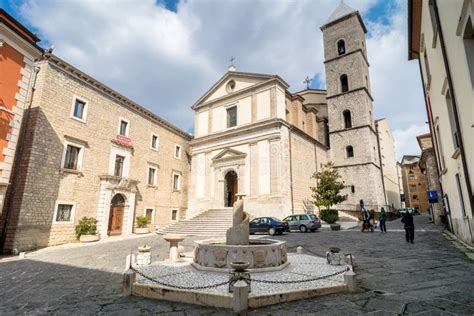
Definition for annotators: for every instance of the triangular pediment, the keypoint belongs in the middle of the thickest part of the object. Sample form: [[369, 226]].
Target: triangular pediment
[[229, 154], [233, 82]]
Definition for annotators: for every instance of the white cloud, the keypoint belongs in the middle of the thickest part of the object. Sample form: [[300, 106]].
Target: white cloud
[[166, 60], [405, 139]]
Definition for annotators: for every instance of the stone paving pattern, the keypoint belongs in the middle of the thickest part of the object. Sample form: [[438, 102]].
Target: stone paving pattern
[[430, 277]]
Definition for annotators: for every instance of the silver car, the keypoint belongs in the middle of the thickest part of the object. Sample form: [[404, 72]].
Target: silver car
[[303, 222]]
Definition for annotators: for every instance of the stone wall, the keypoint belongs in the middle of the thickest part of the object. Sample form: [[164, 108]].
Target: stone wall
[[42, 182], [306, 158]]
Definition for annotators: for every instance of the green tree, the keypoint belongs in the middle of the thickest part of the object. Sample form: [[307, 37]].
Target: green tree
[[329, 185]]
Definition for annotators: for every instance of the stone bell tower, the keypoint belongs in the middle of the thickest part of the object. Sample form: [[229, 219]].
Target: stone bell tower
[[353, 138]]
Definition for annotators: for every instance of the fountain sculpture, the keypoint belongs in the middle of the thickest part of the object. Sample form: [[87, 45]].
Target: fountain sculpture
[[261, 254], [204, 279]]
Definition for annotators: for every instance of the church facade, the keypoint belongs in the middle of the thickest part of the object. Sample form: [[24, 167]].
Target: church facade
[[255, 138], [89, 151]]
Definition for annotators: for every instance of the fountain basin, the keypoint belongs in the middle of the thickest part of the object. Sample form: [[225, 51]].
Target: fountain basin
[[262, 255]]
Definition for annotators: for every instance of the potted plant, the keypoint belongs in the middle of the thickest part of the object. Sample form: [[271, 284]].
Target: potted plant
[[142, 225], [327, 193], [330, 216], [86, 230]]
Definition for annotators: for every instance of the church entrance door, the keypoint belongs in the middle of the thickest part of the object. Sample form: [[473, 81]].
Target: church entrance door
[[116, 215], [231, 188]]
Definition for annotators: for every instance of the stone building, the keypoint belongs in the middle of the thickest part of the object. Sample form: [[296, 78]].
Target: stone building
[[389, 164], [254, 137], [18, 51], [90, 151], [430, 172], [441, 38], [414, 184], [352, 134]]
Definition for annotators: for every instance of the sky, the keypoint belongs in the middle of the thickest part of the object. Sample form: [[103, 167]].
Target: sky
[[165, 54]]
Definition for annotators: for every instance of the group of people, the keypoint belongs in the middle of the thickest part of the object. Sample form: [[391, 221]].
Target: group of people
[[407, 220]]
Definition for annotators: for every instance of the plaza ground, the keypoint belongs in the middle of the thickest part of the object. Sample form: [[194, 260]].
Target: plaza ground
[[429, 277]]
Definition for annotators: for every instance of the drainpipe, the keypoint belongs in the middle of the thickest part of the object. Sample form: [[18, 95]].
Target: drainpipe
[[291, 174], [456, 115], [18, 158]]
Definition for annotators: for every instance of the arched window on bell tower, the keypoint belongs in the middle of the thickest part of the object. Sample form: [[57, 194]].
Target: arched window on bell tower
[[341, 47], [349, 152], [344, 83], [347, 119]]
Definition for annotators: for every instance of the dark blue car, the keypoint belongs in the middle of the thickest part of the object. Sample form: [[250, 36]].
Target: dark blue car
[[269, 225]]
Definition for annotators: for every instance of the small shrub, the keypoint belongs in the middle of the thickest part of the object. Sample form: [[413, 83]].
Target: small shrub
[[330, 216], [86, 226], [143, 221]]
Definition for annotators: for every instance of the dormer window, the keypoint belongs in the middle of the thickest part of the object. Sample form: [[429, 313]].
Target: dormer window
[[341, 47]]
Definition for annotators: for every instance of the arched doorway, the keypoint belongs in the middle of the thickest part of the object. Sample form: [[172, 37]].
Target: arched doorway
[[231, 188], [116, 215]]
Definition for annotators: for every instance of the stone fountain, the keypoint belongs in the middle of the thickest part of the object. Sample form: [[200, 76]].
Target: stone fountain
[[219, 254], [262, 273]]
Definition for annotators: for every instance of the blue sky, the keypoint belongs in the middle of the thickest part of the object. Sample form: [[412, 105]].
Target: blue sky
[[182, 48]]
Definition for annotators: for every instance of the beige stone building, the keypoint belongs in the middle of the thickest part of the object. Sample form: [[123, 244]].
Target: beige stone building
[[430, 172], [389, 164], [441, 38], [414, 184], [89, 151], [254, 137]]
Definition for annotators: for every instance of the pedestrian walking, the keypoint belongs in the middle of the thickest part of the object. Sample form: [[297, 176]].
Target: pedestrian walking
[[366, 225], [382, 218], [407, 220]]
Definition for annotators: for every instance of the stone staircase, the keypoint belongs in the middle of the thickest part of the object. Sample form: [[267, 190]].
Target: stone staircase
[[213, 222]]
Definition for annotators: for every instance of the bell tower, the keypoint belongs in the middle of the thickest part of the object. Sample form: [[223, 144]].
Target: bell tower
[[352, 135]]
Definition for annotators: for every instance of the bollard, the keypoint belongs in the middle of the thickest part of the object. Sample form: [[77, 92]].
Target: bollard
[[22, 255], [128, 262], [128, 279], [240, 297], [350, 280], [300, 250]]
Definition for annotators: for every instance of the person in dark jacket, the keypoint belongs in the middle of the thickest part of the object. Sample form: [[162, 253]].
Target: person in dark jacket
[[407, 220], [382, 219]]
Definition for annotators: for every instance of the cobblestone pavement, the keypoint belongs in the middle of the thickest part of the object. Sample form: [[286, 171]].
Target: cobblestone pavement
[[429, 277]]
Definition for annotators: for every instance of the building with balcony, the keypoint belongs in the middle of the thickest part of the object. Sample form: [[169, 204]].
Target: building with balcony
[[414, 184]]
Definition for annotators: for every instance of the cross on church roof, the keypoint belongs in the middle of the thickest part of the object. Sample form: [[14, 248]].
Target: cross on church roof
[[307, 81], [232, 66]]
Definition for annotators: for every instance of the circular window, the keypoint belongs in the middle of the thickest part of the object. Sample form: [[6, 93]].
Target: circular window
[[230, 86]]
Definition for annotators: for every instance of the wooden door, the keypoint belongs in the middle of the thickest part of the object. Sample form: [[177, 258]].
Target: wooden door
[[116, 220], [234, 191]]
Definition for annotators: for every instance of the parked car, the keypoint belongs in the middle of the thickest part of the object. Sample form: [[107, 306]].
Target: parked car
[[402, 211], [269, 225], [303, 222]]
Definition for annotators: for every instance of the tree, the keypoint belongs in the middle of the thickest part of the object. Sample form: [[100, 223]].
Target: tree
[[329, 185]]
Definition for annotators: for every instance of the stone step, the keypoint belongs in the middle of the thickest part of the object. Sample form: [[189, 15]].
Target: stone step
[[208, 223]]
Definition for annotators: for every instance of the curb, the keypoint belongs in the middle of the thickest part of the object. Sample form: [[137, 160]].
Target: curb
[[466, 249]]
